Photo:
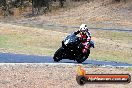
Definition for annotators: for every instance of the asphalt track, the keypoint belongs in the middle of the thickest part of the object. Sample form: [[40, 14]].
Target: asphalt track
[[37, 24], [22, 58]]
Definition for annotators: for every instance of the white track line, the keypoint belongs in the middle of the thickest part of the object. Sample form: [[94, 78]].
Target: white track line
[[72, 64]]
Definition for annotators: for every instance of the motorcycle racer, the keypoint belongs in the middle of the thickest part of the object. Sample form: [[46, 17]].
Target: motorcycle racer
[[85, 37], [76, 46]]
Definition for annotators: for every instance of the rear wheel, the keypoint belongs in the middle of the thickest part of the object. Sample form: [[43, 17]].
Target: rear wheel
[[58, 54]]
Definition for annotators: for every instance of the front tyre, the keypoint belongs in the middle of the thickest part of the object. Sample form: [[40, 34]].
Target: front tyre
[[82, 57], [58, 54]]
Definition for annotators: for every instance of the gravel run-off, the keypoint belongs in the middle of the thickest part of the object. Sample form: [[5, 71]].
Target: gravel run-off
[[53, 76]]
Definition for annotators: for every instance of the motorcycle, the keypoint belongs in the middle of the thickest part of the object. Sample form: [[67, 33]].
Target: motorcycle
[[71, 49]]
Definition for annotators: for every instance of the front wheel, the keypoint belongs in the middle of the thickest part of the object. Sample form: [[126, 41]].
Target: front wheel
[[58, 54], [81, 58]]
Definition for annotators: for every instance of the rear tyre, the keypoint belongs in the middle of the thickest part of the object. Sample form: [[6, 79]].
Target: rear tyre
[[58, 54]]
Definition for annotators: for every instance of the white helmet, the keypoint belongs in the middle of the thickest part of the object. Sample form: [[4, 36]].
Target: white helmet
[[83, 27]]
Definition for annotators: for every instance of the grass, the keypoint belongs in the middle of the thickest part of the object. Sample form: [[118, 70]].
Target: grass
[[114, 35], [29, 41], [109, 55], [24, 44], [111, 46]]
